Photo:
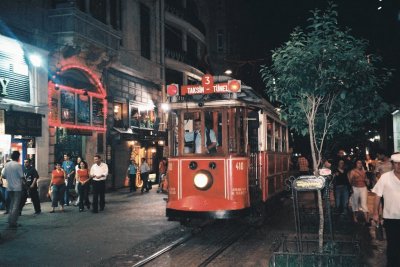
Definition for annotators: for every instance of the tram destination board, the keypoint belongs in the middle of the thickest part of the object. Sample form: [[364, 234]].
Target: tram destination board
[[309, 183]]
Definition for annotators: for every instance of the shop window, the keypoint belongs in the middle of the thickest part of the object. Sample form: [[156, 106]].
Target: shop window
[[146, 119], [135, 117], [118, 119]]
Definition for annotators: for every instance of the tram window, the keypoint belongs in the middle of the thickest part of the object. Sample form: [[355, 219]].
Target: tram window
[[236, 142], [253, 125], [193, 126], [213, 123], [270, 124], [284, 147], [173, 134], [278, 137]]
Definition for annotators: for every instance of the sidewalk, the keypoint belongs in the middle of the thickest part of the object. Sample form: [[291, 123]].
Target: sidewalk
[[78, 238]]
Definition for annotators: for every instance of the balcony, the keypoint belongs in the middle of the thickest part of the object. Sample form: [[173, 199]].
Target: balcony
[[185, 15], [148, 68], [184, 57], [73, 25]]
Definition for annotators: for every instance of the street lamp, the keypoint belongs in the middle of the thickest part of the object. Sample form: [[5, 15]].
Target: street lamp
[[228, 72], [36, 60]]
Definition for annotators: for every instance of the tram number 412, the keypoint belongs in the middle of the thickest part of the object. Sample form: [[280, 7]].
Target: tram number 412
[[240, 166]]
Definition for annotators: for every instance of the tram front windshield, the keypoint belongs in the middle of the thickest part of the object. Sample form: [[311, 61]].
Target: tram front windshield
[[207, 132]]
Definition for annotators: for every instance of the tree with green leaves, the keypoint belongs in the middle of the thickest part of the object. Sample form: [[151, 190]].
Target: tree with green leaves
[[325, 83]]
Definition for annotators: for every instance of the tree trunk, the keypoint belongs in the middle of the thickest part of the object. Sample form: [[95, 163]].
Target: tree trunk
[[320, 206], [321, 223]]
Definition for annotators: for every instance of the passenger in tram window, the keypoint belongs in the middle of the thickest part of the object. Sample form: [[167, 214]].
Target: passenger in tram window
[[195, 137]]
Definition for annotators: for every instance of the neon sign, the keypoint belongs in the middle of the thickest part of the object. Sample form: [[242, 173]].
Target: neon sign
[[77, 109]]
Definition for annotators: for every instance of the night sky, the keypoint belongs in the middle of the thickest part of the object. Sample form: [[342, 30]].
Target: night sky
[[271, 22]]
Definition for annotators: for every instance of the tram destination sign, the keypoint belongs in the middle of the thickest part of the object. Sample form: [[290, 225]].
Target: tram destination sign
[[309, 183], [233, 86]]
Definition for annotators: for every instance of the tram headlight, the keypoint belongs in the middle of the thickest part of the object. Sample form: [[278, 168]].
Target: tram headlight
[[203, 180]]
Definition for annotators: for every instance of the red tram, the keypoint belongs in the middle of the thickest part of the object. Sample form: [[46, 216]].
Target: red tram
[[251, 158]]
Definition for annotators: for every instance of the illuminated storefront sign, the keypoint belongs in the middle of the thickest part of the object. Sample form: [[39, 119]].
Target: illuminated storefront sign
[[14, 71], [78, 109], [23, 123], [74, 109]]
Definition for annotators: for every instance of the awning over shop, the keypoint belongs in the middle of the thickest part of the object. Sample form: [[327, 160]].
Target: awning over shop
[[140, 134]]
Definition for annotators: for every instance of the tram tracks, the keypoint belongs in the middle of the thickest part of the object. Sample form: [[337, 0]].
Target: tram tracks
[[197, 249]]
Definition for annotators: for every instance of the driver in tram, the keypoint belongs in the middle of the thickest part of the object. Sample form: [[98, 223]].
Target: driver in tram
[[195, 137]]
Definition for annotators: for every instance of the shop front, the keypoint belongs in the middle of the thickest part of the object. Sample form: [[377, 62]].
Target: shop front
[[133, 125], [19, 133], [77, 114], [135, 144], [23, 103]]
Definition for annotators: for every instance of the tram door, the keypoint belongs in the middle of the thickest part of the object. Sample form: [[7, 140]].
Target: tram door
[[254, 175]]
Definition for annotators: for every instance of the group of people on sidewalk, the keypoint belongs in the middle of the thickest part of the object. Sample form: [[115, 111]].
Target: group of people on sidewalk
[[18, 183], [381, 177], [144, 175], [65, 175]]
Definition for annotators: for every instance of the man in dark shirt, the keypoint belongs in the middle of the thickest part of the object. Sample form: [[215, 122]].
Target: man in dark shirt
[[31, 189]]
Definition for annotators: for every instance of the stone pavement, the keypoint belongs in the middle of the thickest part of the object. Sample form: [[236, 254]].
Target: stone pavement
[[76, 238]]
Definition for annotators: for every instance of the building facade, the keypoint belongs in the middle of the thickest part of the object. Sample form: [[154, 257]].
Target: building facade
[[104, 76]]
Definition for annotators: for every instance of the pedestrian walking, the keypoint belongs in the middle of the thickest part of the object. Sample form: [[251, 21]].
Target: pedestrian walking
[[384, 163], [82, 180], [162, 170], [131, 173], [69, 168], [303, 165], [58, 187], [358, 180], [388, 186], [98, 173], [77, 166], [14, 175], [383, 166], [5, 205], [342, 187], [144, 175], [31, 185]]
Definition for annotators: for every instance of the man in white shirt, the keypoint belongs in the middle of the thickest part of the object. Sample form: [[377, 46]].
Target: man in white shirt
[[388, 186], [98, 173], [144, 175], [195, 136], [13, 173]]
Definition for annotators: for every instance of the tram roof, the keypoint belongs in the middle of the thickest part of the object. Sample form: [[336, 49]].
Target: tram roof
[[247, 97]]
